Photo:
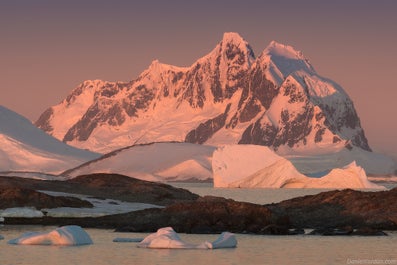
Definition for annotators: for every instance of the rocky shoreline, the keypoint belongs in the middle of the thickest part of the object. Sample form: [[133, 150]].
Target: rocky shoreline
[[345, 212]]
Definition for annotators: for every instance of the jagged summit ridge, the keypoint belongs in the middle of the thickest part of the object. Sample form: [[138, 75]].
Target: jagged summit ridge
[[282, 60], [227, 96]]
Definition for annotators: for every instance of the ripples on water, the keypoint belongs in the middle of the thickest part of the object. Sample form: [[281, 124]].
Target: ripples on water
[[251, 249]]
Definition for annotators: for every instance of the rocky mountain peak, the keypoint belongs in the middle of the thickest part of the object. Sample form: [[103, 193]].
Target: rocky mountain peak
[[281, 60], [227, 96]]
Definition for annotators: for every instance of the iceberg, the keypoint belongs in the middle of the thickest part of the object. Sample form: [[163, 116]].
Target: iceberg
[[71, 235], [231, 162], [225, 240], [167, 238], [249, 166]]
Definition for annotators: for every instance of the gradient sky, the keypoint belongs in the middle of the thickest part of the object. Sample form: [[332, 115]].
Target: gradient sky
[[48, 47]]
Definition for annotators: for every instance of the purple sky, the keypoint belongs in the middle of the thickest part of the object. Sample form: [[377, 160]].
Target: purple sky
[[48, 47]]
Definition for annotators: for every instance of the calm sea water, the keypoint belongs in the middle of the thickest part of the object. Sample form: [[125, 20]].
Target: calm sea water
[[251, 249]]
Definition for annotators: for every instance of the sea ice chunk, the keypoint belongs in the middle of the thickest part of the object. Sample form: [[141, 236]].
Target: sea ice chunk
[[167, 238], [127, 239], [71, 235], [225, 240]]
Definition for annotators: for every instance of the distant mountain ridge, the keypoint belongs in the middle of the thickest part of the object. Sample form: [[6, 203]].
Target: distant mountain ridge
[[228, 96]]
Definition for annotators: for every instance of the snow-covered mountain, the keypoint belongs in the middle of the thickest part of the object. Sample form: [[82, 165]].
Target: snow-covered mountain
[[24, 147], [228, 96]]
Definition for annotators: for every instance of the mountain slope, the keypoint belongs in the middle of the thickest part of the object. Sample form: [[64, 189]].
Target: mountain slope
[[24, 147], [226, 97]]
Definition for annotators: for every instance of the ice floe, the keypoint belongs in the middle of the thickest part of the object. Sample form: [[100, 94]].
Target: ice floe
[[127, 240], [167, 238], [70, 235]]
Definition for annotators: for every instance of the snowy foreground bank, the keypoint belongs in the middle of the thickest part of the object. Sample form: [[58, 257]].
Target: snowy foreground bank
[[73, 235]]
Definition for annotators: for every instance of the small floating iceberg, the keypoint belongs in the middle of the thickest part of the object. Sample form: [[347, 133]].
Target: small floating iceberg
[[167, 238], [71, 235]]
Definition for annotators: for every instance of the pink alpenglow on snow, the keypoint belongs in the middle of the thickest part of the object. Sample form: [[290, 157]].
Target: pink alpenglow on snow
[[167, 238], [70, 235]]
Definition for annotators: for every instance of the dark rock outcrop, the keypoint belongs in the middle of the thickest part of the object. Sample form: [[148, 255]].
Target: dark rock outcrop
[[346, 212], [111, 186], [208, 215], [19, 197], [125, 188], [374, 210]]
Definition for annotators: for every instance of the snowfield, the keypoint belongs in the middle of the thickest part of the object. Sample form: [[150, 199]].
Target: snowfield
[[101, 207], [24, 147], [155, 162]]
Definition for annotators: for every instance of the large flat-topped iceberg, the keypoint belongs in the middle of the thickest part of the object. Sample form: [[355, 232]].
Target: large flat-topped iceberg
[[70, 235], [231, 162], [247, 166], [167, 238]]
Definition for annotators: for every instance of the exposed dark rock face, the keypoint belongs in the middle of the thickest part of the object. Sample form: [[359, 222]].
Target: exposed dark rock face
[[298, 118], [18, 197], [260, 134], [44, 120], [205, 130]]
